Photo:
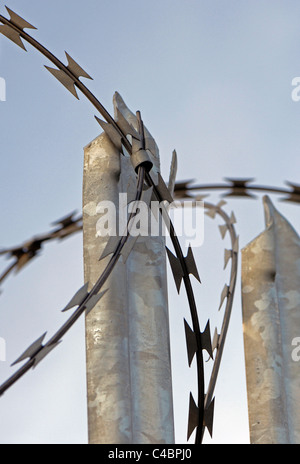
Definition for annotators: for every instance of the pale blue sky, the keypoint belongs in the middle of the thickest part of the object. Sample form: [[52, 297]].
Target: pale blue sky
[[213, 80]]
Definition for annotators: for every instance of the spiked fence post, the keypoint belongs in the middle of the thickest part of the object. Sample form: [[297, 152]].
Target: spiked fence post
[[127, 334], [271, 320]]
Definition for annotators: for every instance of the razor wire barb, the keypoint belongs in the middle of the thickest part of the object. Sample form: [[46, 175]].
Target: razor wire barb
[[68, 76]]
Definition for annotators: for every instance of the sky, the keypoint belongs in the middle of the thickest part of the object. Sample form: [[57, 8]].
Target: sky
[[212, 80]]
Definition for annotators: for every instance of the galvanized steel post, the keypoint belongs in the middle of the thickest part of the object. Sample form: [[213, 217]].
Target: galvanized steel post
[[129, 383], [271, 317]]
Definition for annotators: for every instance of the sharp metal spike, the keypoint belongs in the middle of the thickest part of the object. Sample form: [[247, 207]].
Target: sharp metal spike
[[181, 188], [23, 260], [228, 255], [125, 126], [66, 231], [163, 190], [64, 79], [211, 213], [241, 182], [44, 352], [224, 295], [13, 35], [7, 271], [65, 221], [76, 69], [221, 203], [25, 253], [206, 340], [110, 247], [150, 145], [209, 417], [18, 21], [239, 188], [5, 252], [295, 187], [223, 230], [176, 269], [173, 173], [191, 342], [191, 264], [112, 133], [78, 297], [294, 195], [232, 218], [128, 247], [93, 301], [215, 343], [193, 417], [112, 244], [32, 350]]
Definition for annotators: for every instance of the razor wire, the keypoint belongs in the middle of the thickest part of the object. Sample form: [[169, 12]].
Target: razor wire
[[83, 298], [34, 351], [200, 412], [71, 224], [68, 76], [30, 249], [239, 188]]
